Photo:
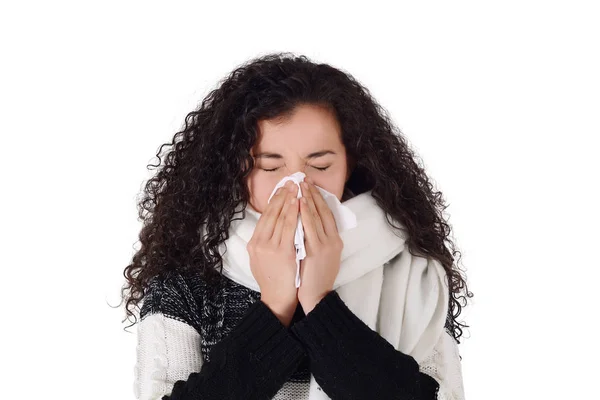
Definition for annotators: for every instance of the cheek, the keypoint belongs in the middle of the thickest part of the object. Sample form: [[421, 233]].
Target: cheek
[[332, 182], [260, 188]]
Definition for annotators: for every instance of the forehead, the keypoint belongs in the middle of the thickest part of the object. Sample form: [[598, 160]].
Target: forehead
[[308, 127]]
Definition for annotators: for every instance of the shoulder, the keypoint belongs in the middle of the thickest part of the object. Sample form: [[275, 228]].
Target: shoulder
[[419, 274], [174, 296], [191, 299]]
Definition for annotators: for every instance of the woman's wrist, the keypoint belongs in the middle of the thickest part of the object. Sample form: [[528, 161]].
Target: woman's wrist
[[283, 311], [308, 304]]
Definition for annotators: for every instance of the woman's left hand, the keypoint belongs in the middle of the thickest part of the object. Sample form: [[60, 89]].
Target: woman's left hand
[[323, 246]]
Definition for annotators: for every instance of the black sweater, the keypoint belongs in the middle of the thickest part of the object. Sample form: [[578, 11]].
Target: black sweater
[[259, 354]]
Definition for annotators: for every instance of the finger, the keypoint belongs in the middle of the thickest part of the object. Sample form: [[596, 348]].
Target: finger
[[279, 223], [266, 222], [325, 212], [291, 221], [283, 216], [312, 209], [308, 222]]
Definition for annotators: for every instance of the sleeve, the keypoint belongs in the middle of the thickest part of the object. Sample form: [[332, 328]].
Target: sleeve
[[349, 360], [444, 365], [252, 362], [167, 350]]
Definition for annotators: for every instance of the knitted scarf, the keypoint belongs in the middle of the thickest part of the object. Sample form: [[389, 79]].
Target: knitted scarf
[[401, 296]]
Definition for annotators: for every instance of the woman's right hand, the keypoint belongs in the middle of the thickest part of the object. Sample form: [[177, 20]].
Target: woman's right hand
[[273, 255]]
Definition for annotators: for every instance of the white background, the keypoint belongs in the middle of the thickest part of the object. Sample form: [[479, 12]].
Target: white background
[[500, 99]]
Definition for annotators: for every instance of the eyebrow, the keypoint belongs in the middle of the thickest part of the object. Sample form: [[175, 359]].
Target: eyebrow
[[310, 156]]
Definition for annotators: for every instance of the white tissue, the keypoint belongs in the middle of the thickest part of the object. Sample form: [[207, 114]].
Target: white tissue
[[344, 217]]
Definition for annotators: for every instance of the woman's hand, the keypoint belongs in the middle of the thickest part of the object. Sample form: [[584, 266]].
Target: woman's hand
[[273, 255], [323, 246]]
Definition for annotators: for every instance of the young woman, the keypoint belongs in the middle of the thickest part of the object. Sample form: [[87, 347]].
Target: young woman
[[222, 317]]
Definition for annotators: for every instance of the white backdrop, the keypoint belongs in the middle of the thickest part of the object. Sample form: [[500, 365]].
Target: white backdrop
[[500, 99]]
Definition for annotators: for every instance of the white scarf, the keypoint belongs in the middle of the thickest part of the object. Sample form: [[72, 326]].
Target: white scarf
[[402, 297]]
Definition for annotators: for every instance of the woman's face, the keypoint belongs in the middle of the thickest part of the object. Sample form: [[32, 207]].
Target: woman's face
[[309, 140]]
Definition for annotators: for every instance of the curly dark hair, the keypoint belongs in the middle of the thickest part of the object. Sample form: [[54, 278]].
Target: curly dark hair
[[202, 178]]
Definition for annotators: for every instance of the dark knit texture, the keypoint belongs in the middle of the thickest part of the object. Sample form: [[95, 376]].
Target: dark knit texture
[[349, 360], [249, 354], [252, 362]]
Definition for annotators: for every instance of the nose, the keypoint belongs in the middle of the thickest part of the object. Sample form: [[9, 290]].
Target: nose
[[293, 167]]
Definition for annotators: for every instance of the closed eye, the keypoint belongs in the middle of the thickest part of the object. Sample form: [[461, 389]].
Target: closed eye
[[275, 169]]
